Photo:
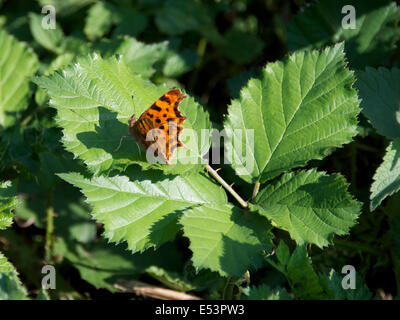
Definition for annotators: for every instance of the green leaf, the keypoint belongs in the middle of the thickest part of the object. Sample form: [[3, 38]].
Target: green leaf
[[310, 205], [370, 43], [225, 239], [241, 47], [301, 275], [143, 209], [178, 64], [99, 20], [17, 64], [42, 295], [95, 98], [299, 272], [264, 292], [5, 265], [179, 16], [237, 82], [138, 56], [297, 110], [387, 176], [102, 264], [47, 38], [8, 201], [10, 285], [379, 90], [129, 23], [332, 285]]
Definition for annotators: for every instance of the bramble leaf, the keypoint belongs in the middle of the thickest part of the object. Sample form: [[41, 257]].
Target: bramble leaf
[[225, 239], [10, 285], [369, 43], [138, 56], [95, 98], [144, 208], [299, 272], [310, 205], [379, 90], [17, 63], [387, 176], [296, 110]]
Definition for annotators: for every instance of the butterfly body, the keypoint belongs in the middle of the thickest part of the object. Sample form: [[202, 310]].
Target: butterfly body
[[160, 125]]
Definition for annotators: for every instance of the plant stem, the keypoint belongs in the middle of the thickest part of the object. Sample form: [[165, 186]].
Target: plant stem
[[217, 177], [255, 190], [228, 289], [49, 227]]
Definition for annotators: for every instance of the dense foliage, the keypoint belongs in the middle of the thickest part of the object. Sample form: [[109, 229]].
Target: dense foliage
[[309, 109]]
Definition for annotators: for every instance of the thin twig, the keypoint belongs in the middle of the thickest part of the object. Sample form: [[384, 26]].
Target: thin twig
[[49, 227], [255, 190], [217, 177], [146, 290]]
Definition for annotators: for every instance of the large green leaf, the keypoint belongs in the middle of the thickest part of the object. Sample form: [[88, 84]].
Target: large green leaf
[[95, 98], [387, 176], [143, 209], [370, 43], [297, 110], [310, 205], [379, 90], [17, 64], [225, 239]]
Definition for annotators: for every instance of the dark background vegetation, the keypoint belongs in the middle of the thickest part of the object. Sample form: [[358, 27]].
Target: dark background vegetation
[[369, 245]]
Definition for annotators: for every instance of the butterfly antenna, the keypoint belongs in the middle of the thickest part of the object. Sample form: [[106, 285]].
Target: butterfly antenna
[[120, 142]]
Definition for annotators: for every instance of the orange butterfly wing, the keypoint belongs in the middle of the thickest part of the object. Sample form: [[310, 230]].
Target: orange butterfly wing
[[165, 119]]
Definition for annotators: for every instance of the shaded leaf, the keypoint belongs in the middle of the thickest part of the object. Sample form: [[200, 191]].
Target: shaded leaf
[[17, 64], [387, 176], [379, 90], [370, 43], [48, 38], [226, 239]]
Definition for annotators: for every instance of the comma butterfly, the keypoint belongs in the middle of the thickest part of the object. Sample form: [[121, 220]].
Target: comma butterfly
[[160, 125]]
